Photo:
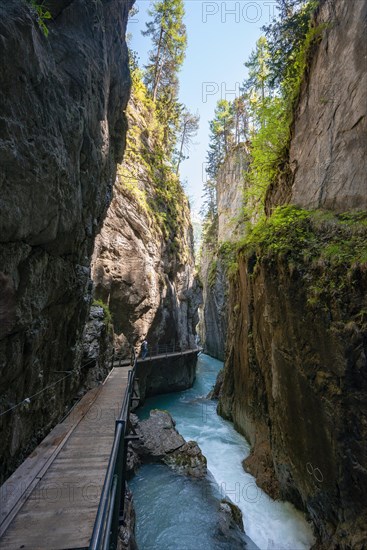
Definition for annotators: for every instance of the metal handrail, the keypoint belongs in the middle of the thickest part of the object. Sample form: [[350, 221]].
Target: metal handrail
[[156, 350], [111, 505]]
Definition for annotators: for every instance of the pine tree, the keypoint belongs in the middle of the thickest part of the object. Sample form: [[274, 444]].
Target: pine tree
[[241, 119], [258, 69], [188, 127], [221, 136], [285, 35], [168, 34]]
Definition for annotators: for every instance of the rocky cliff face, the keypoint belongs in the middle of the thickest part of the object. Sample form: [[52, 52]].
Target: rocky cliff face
[[295, 374], [328, 169], [143, 264], [213, 323], [225, 229], [230, 193], [294, 384], [62, 101]]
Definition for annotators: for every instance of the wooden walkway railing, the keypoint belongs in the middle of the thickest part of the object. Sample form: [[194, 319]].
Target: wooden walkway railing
[[111, 508]]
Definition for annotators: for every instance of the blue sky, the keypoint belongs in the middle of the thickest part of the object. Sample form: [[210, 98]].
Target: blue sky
[[221, 36]]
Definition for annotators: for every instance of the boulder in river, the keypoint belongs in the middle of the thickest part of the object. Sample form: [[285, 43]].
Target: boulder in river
[[159, 441], [230, 525]]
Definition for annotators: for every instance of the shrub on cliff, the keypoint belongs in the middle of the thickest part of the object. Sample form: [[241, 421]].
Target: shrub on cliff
[[42, 14], [329, 249]]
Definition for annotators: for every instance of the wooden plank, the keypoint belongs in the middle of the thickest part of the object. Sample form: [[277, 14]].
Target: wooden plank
[[60, 510], [17, 488]]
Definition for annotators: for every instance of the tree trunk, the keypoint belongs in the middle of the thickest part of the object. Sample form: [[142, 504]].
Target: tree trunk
[[181, 148], [157, 70]]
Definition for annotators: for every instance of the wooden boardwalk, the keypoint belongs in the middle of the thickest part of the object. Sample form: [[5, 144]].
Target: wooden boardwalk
[[51, 501]]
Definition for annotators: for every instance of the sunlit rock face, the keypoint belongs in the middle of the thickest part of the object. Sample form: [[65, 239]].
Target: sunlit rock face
[[213, 268], [328, 168], [62, 101], [142, 270]]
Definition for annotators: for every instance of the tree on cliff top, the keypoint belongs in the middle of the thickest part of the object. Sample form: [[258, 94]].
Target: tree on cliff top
[[168, 34], [258, 68], [188, 127], [286, 35], [221, 136]]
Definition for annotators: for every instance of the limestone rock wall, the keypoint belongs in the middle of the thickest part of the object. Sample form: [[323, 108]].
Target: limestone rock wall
[[143, 271], [226, 228], [213, 323], [161, 376], [230, 190], [294, 384], [62, 131], [328, 169], [295, 375]]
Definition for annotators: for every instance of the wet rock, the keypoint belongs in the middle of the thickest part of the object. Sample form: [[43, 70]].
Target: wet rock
[[233, 510], [159, 441], [132, 461], [230, 525], [294, 383], [215, 392], [188, 460], [157, 436], [126, 536], [259, 464]]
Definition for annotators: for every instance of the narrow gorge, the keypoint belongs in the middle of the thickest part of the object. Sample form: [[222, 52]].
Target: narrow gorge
[[158, 390]]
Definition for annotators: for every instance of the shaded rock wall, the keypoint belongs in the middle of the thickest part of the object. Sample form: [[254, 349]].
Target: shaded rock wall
[[213, 324], [294, 385], [62, 121], [97, 346], [296, 367]]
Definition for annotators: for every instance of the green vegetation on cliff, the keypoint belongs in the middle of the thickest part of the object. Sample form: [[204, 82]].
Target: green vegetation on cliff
[[147, 175], [42, 15], [263, 115], [106, 310], [330, 249]]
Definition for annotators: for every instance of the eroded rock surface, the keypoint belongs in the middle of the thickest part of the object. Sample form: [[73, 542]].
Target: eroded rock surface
[[143, 267], [97, 346], [126, 535], [63, 127], [226, 227], [294, 385]]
